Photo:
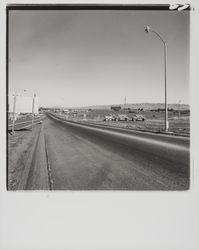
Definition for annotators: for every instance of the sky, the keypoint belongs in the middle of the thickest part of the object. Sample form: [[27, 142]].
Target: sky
[[76, 58]]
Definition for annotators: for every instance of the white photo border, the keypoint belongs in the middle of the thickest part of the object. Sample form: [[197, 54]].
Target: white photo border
[[158, 220]]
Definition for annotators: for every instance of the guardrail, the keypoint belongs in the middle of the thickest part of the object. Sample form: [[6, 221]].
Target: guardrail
[[24, 124]]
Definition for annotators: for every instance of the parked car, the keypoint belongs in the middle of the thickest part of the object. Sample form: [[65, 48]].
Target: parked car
[[110, 117], [123, 117], [138, 118]]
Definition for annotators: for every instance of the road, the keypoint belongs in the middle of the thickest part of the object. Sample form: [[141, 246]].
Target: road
[[84, 157]]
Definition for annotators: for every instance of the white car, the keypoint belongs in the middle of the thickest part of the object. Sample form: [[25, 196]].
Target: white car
[[110, 117], [123, 117], [138, 118]]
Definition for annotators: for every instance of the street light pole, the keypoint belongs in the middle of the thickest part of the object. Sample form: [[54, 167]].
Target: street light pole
[[165, 77], [147, 29]]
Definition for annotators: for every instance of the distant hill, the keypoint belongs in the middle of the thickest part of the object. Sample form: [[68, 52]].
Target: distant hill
[[146, 106]]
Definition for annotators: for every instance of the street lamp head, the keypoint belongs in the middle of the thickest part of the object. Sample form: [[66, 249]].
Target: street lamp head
[[147, 28], [173, 6], [185, 6], [179, 7]]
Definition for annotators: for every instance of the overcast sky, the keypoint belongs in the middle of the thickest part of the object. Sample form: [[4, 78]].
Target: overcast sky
[[79, 58]]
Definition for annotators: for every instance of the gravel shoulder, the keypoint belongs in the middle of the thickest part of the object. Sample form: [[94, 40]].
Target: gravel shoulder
[[20, 150]]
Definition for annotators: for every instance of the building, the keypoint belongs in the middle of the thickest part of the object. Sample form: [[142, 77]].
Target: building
[[116, 108]]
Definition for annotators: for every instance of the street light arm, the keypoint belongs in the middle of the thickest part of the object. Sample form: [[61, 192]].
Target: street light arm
[[158, 35]]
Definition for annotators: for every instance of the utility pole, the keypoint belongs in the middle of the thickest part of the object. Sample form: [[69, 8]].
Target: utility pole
[[14, 108], [33, 110], [13, 118]]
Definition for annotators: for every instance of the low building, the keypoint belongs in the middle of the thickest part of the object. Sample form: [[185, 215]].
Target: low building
[[116, 108]]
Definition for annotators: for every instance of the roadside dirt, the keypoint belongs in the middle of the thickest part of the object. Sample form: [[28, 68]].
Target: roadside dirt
[[20, 150]]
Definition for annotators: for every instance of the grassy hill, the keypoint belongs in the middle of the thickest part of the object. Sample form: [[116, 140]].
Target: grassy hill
[[145, 106]]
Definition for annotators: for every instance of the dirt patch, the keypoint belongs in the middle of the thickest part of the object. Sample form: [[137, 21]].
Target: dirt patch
[[20, 148]]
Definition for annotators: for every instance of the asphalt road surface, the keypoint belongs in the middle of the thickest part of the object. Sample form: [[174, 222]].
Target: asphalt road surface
[[82, 157]]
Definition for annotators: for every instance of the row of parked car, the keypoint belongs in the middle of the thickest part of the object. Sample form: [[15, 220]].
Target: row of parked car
[[124, 117]]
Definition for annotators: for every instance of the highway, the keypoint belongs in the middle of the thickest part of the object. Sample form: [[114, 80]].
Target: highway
[[82, 157]]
